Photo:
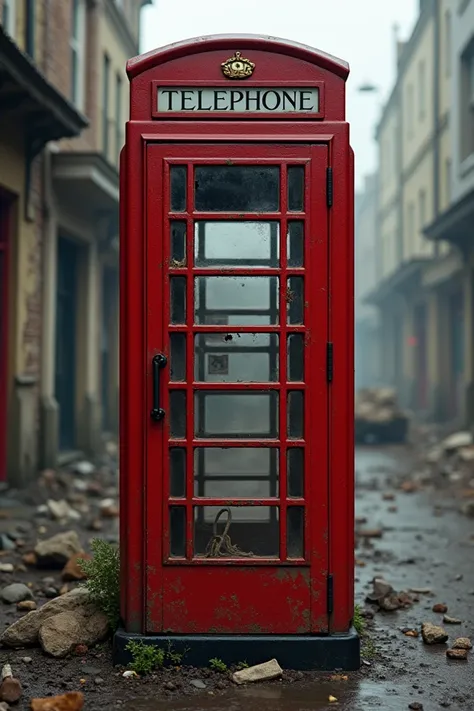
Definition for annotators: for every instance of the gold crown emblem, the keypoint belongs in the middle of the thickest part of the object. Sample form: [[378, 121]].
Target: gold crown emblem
[[237, 67]]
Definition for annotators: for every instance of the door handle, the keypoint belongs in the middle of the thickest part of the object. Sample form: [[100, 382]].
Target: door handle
[[158, 363]]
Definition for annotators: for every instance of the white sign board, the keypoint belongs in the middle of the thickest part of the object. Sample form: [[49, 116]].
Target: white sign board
[[183, 99]]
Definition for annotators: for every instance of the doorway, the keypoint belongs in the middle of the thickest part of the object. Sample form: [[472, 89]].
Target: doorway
[[66, 330]]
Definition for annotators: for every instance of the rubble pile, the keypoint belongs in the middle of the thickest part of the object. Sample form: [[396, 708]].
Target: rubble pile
[[378, 416]]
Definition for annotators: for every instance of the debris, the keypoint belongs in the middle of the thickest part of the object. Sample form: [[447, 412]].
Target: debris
[[415, 706], [84, 468], [55, 552], [29, 558], [73, 701], [421, 591], [26, 605], [26, 660], [6, 568], [360, 519], [129, 674], [61, 511], [440, 607], [6, 543], [260, 672], [72, 570], [10, 689], [388, 497], [462, 643], [370, 533], [332, 699], [380, 590], [411, 633], [454, 653], [198, 684], [458, 440], [108, 508], [16, 592], [451, 620], [433, 634], [409, 487], [25, 630]]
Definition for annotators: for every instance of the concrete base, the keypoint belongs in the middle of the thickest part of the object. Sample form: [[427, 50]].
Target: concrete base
[[309, 653], [49, 419]]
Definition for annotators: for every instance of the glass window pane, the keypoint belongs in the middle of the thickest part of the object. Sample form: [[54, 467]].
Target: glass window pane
[[178, 174], [236, 357], [177, 531], [178, 414], [178, 244], [295, 300], [295, 244], [295, 357], [178, 356], [253, 532], [296, 188], [177, 471], [236, 414], [178, 300], [237, 188], [239, 244], [295, 471], [236, 472], [295, 415], [295, 532], [245, 301]]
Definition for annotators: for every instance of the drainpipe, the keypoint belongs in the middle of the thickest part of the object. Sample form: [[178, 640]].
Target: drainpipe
[[436, 108]]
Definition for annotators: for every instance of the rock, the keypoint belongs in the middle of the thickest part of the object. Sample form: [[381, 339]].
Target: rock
[[410, 633], [16, 592], [129, 674], [198, 684], [73, 701], [6, 543], [50, 593], [388, 497], [389, 603], [332, 699], [466, 454], [60, 510], [440, 607], [26, 605], [409, 487], [72, 570], [108, 508], [25, 630], [98, 681], [380, 590], [260, 672], [451, 620], [26, 660], [84, 468], [421, 591], [81, 650], [460, 654], [432, 634], [56, 551], [10, 690], [60, 634], [415, 706], [462, 643], [29, 558], [457, 441], [7, 567], [4, 706], [467, 509]]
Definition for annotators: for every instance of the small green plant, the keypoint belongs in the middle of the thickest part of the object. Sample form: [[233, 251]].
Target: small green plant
[[175, 658], [145, 657], [103, 579], [359, 622], [218, 665], [241, 665]]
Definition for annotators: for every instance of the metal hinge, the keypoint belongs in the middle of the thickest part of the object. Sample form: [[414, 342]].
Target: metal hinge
[[329, 362], [329, 187], [330, 592]]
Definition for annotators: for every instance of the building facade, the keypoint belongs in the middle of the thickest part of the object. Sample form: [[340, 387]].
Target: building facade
[[417, 291], [367, 358], [63, 103]]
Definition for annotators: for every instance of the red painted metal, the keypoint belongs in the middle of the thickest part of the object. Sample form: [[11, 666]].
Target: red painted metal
[[5, 223], [236, 595]]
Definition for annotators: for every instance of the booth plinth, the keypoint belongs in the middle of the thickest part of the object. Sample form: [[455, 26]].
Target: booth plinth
[[296, 652]]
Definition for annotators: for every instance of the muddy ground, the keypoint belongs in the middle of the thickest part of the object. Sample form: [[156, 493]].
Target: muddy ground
[[425, 542]]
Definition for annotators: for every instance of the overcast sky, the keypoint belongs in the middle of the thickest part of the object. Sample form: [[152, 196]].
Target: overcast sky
[[359, 31]]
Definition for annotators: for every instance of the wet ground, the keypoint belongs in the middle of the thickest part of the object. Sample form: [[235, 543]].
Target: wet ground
[[425, 543]]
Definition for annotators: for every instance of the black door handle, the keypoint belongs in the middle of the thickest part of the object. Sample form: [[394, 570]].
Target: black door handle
[[158, 363]]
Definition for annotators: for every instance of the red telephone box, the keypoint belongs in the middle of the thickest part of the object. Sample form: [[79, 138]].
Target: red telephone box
[[237, 458]]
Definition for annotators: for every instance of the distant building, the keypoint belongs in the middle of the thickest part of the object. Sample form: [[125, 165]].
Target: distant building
[[367, 358], [63, 104]]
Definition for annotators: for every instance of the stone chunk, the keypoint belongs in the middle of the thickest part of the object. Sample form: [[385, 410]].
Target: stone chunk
[[432, 634], [462, 643], [260, 672], [16, 592], [55, 552]]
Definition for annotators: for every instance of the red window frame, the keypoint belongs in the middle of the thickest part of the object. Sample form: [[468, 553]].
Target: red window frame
[[313, 567]]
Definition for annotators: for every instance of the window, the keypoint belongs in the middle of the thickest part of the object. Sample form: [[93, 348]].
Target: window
[[118, 113], [105, 105], [421, 90], [447, 41], [30, 27], [422, 209], [409, 110], [77, 44], [9, 17]]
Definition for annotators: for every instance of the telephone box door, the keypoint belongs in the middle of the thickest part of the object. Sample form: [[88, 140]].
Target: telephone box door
[[237, 441]]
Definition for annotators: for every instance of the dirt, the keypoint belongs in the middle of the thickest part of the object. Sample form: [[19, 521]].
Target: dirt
[[425, 544]]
